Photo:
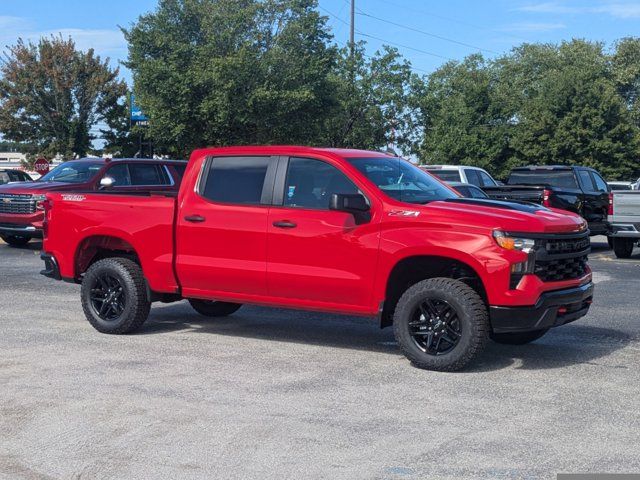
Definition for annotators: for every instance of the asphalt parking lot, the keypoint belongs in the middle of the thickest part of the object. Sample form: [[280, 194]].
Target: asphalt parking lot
[[284, 394]]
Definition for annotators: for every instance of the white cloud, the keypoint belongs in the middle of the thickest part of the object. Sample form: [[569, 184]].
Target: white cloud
[[623, 10], [534, 27], [107, 43]]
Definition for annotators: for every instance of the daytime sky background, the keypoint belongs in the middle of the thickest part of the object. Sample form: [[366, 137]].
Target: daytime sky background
[[428, 33]]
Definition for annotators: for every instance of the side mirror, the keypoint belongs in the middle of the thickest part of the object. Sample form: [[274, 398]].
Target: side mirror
[[353, 203], [106, 183]]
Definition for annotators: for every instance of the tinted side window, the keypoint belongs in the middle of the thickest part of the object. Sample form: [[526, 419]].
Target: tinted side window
[[180, 169], [486, 180], [147, 174], [601, 185], [120, 175], [585, 181], [235, 179], [310, 183], [472, 177]]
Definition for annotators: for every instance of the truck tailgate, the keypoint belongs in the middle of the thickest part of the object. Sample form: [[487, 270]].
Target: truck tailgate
[[626, 207], [144, 222], [520, 193]]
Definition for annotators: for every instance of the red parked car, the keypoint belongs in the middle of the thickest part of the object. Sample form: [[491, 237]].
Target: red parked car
[[347, 231], [20, 203]]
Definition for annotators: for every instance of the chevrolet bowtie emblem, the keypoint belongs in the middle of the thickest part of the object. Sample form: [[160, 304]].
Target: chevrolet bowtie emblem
[[6, 200]]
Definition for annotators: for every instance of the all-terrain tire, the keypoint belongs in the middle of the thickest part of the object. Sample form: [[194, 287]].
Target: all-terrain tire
[[210, 308], [135, 303], [16, 240], [519, 338], [472, 316], [623, 247]]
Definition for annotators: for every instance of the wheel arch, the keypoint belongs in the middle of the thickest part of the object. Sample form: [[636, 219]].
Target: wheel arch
[[413, 268], [96, 247]]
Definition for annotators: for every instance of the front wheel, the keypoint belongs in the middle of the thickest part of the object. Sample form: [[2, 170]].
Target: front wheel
[[623, 247], [519, 338], [441, 324], [16, 240], [211, 308], [114, 296]]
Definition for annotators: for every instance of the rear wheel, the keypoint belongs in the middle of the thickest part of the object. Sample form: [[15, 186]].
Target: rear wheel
[[441, 324], [114, 296], [211, 308], [519, 338], [16, 240], [623, 247]]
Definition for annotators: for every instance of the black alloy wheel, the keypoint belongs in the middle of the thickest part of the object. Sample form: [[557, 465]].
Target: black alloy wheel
[[435, 328], [108, 298]]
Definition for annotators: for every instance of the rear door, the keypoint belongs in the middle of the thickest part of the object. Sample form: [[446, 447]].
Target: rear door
[[221, 233], [317, 254]]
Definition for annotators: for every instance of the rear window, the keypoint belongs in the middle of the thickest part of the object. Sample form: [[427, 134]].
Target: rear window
[[446, 175], [238, 180], [552, 178]]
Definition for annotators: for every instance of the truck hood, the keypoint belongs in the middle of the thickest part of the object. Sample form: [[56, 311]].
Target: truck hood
[[34, 188], [506, 215]]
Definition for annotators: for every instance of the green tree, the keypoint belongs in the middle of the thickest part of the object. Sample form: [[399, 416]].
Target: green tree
[[373, 101], [221, 72], [51, 95], [465, 120]]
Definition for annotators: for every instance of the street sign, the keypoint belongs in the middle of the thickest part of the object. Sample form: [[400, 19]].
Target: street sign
[[136, 114], [41, 166]]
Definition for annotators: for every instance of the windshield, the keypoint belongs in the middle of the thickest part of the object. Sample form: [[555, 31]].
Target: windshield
[[402, 180], [553, 178], [73, 172], [446, 175]]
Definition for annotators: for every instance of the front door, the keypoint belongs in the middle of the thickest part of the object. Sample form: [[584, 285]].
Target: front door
[[317, 255], [221, 237]]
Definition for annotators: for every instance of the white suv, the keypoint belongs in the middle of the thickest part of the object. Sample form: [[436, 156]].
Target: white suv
[[461, 173]]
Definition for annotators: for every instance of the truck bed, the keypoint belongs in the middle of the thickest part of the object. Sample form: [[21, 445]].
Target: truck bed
[[138, 222]]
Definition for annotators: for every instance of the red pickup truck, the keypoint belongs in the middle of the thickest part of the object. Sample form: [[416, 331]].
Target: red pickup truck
[[347, 231], [21, 203]]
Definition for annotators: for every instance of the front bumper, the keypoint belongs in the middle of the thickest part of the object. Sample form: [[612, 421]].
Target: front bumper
[[20, 230], [625, 230], [553, 309]]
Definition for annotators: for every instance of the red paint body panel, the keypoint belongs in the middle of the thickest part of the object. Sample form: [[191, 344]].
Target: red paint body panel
[[327, 262]]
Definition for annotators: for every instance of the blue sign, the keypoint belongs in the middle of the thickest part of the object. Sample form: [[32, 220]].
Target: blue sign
[[136, 111]]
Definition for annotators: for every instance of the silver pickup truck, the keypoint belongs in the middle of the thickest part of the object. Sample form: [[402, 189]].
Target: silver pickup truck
[[624, 217]]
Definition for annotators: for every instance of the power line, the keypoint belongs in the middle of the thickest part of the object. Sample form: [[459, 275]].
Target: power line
[[433, 35], [454, 20], [425, 52], [386, 41]]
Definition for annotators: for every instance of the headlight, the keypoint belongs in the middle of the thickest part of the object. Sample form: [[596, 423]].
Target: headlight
[[513, 243], [39, 199]]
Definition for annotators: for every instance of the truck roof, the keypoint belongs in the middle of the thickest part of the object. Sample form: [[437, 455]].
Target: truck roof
[[546, 167], [290, 149]]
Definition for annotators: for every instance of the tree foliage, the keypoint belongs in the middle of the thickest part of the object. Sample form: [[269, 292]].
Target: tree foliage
[[51, 95], [572, 103]]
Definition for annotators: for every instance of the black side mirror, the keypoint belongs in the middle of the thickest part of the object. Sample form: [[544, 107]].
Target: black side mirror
[[353, 203]]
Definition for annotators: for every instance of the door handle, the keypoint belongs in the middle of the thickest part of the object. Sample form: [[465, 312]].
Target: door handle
[[194, 218], [285, 224]]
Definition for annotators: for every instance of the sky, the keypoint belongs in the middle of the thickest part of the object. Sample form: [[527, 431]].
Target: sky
[[427, 32]]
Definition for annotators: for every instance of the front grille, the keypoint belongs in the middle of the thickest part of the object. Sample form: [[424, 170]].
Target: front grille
[[17, 204], [561, 269], [559, 257]]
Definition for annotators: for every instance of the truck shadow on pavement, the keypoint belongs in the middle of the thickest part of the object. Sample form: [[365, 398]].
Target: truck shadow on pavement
[[561, 347]]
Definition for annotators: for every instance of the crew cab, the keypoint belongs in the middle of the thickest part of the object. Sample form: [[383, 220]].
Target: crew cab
[[624, 217], [348, 231], [20, 203], [579, 190]]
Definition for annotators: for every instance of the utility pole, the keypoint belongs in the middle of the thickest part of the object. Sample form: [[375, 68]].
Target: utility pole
[[352, 39]]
